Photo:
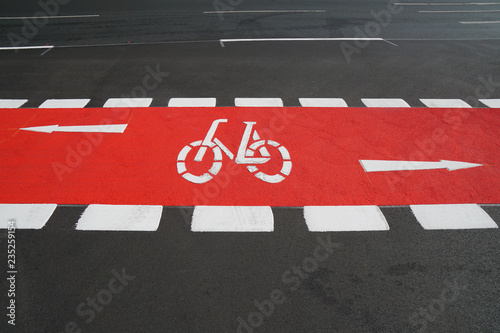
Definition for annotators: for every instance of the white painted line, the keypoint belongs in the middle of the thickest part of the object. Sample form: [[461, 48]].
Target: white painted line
[[109, 128], [385, 103], [11, 103], [446, 3], [464, 216], [120, 218], [387, 165], [258, 102], [297, 39], [64, 103], [128, 102], [481, 22], [492, 103], [344, 218], [192, 102], [232, 219], [265, 11], [445, 103], [26, 216], [323, 102], [26, 47], [45, 17], [460, 11]]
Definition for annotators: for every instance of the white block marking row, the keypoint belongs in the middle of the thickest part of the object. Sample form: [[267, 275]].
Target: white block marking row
[[128, 102], [26, 216], [232, 219], [64, 103], [460, 216], [492, 103], [344, 218], [120, 218], [11, 103], [445, 103], [385, 103], [192, 102], [258, 102], [322, 102]]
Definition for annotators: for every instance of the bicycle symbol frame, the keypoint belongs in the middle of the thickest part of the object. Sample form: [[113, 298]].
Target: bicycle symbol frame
[[245, 155]]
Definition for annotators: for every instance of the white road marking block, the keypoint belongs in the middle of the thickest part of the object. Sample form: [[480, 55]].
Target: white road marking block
[[120, 218], [26, 216], [11, 103], [128, 102], [208, 102], [64, 103], [344, 218], [258, 102], [385, 103], [110, 128], [232, 219], [459, 216], [322, 102], [445, 103], [492, 103]]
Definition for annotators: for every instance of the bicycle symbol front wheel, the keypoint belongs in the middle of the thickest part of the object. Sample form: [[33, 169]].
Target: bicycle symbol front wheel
[[216, 165], [285, 169]]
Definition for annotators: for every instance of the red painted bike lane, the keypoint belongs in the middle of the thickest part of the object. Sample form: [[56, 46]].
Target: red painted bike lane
[[326, 145]]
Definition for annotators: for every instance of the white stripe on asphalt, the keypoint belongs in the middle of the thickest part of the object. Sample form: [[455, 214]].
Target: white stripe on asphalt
[[11, 103], [232, 219], [480, 22], [26, 47], [445, 3], [344, 218], [492, 103], [298, 39], [460, 216], [385, 103], [258, 102], [192, 102], [120, 218], [26, 216], [445, 103], [45, 17], [128, 102], [323, 102], [460, 11], [265, 11], [64, 103]]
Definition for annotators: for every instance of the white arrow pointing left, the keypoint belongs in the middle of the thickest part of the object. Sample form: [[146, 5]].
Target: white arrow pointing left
[[114, 128]]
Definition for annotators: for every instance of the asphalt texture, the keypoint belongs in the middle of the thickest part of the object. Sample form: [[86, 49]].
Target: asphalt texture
[[406, 279]]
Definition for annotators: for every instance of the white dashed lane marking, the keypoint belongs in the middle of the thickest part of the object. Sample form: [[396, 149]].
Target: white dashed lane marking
[[445, 103], [26, 216], [258, 102], [344, 218], [464, 216], [64, 103], [385, 102], [128, 102], [11, 103], [492, 103], [192, 102], [322, 102], [120, 218], [232, 219]]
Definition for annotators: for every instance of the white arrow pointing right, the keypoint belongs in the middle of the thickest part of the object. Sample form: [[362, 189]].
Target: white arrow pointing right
[[384, 165]]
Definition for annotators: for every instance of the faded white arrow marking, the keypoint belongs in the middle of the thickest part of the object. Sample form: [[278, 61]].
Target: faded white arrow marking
[[383, 165], [115, 128]]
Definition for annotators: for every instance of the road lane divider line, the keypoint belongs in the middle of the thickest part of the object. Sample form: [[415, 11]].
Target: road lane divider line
[[120, 218], [128, 102], [232, 219], [322, 102], [265, 11], [460, 11], [12, 103], [481, 22], [64, 103], [193, 102], [455, 216], [444, 103], [345, 218], [46, 17], [26, 216], [258, 102], [6, 48], [492, 103], [385, 103]]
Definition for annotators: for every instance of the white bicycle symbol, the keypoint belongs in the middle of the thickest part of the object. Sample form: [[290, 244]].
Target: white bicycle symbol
[[244, 156]]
